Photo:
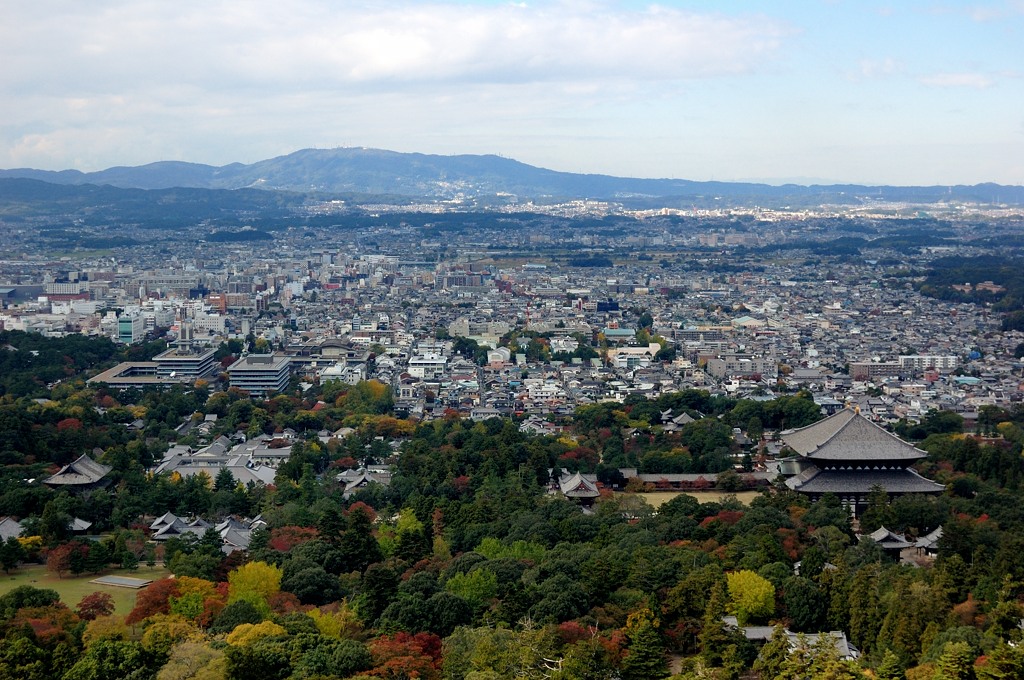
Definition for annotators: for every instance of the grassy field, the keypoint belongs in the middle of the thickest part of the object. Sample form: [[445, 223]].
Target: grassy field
[[73, 588], [656, 498]]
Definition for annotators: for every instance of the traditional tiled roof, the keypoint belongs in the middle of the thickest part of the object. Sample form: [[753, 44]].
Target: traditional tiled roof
[[9, 527], [898, 481], [889, 540], [82, 472], [578, 486], [847, 435]]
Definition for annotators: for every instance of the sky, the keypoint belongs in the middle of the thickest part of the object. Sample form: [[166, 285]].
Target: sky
[[899, 92]]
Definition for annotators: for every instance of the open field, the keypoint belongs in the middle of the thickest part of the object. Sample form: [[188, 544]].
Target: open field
[[657, 498], [73, 588]]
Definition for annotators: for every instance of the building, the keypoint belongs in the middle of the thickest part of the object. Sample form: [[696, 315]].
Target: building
[[847, 455], [869, 370], [185, 363], [260, 374], [81, 475], [131, 328], [921, 362], [428, 366]]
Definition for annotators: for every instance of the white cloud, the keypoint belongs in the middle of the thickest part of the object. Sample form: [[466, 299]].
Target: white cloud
[[121, 45], [978, 81]]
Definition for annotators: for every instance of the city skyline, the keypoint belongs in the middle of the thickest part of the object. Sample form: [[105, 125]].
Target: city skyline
[[917, 93]]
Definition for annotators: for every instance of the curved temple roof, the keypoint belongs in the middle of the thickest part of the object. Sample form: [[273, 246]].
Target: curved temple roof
[[849, 436]]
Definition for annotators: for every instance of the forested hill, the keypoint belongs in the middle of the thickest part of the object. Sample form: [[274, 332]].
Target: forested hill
[[375, 171]]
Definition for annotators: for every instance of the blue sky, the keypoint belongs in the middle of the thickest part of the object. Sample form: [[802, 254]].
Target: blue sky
[[868, 92]]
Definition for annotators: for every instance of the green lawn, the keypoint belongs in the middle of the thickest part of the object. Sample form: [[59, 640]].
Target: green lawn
[[73, 588]]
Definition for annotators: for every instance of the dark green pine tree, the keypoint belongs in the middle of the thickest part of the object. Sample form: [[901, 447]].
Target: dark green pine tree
[[865, 617], [714, 638], [774, 654], [645, 657]]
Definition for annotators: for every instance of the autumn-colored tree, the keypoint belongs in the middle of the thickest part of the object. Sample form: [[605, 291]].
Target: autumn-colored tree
[[163, 631], [248, 634], [60, 560], [109, 627], [153, 599], [192, 660], [406, 656], [645, 655], [94, 605], [337, 621], [255, 582], [51, 624], [283, 539], [751, 596]]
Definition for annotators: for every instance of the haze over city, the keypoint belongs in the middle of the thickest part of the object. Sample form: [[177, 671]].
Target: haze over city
[[868, 92]]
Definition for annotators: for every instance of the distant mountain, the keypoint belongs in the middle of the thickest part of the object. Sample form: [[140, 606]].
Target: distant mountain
[[374, 171]]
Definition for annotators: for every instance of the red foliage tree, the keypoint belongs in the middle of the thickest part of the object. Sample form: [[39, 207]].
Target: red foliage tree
[[283, 539], [50, 624], [403, 656], [95, 605], [360, 506], [58, 560], [153, 599], [69, 424]]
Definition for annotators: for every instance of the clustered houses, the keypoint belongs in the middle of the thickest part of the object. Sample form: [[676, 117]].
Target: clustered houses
[[402, 311]]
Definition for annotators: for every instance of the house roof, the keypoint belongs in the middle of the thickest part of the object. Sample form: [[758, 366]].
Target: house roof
[[82, 472], [848, 435]]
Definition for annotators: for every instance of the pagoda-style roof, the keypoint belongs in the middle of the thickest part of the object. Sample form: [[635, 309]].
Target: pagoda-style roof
[[578, 486], [849, 436], [82, 473], [840, 482]]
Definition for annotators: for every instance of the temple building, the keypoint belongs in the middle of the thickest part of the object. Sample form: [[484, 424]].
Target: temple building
[[847, 455], [83, 474]]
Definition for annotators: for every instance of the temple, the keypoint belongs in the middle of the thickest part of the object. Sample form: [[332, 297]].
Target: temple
[[847, 455], [81, 475]]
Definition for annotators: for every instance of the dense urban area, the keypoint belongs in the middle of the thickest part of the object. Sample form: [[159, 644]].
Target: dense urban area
[[572, 440]]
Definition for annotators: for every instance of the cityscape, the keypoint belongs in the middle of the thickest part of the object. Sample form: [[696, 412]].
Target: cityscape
[[549, 340]]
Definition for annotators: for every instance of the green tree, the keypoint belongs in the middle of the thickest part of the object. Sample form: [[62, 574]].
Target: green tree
[[645, 652]]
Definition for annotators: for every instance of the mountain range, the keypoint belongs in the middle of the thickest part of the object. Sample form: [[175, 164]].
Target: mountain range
[[378, 172]]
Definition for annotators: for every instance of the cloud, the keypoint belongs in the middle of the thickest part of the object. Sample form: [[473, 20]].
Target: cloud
[[118, 45], [978, 81]]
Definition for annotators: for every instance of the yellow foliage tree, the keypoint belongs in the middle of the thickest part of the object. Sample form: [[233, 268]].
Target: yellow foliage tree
[[751, 596], [245, 634], [163, 631], [255, 582], [337, 621], [110, 627]]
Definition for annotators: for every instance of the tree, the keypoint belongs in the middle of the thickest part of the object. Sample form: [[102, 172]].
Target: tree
[[714, 638], [645, 652], [193, 661], [11, 553], [95, 605], [112, 660], [956, 662], [335, 658], [26, 596], [751, 596], [255, 582], [773, 656], [878, 513], [235, 614], [804, 603]]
